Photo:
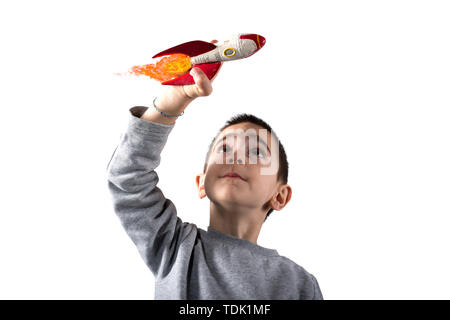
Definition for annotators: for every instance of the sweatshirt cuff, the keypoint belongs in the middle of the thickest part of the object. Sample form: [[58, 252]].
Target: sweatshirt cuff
[[136, 123]]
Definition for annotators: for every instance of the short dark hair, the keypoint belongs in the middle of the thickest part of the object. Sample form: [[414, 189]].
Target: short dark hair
[[283, 168]]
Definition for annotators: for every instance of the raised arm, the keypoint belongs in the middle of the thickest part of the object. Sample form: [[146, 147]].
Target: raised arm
[[148, 217]]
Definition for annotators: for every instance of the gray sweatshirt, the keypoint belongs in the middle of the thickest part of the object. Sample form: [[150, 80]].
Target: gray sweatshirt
[[189, 262]]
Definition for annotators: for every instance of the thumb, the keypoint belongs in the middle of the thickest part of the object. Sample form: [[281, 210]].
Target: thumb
[[202, 86]]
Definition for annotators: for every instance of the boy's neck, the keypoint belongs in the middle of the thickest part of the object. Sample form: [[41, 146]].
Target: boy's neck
[[242, 225]]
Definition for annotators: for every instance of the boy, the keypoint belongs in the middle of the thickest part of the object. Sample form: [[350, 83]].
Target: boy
[[224, 262]]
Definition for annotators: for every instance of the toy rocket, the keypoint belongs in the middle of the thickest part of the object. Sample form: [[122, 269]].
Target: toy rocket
[[209, 57]]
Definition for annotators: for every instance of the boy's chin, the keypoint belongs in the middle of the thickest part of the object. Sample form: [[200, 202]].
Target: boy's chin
[[231, 206]]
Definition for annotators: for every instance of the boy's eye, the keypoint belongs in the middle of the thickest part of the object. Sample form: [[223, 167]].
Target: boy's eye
[[260, 153], [224, 148]]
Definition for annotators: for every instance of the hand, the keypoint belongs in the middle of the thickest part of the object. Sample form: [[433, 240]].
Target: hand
[[202, 86], [176, 98]]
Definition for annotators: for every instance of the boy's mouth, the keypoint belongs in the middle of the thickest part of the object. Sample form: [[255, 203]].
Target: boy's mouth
[[232, 175]]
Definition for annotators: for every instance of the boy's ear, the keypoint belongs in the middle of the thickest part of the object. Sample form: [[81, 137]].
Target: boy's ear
[[200, 181], [281, 198]]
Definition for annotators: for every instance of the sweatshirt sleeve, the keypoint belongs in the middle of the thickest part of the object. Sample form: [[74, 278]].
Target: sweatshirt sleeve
[[149, 219], [317, 292]]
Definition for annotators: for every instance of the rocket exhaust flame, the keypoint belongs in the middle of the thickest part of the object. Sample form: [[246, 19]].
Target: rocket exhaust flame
[[167, 68]]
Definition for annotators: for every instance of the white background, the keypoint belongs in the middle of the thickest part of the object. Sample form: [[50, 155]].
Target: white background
[[358, 92]]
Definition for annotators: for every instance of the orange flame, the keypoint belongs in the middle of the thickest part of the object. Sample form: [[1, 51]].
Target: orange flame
[[168, 68]]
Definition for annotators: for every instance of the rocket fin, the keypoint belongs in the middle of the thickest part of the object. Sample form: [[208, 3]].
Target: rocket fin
[[191, 48]]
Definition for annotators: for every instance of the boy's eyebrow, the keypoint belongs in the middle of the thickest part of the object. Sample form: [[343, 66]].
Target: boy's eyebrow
[[250, 135]]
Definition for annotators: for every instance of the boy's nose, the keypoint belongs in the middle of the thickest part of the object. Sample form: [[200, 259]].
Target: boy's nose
[[239, 152], [231, 160]]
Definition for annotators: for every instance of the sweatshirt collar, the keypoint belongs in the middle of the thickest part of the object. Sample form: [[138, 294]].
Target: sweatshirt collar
[[234, 241]]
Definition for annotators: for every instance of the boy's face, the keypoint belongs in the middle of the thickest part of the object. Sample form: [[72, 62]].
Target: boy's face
[[248, 150]]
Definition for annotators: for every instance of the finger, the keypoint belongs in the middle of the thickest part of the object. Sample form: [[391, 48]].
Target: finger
[[214, 41], [197, 90], [202, 83], [197, 73]]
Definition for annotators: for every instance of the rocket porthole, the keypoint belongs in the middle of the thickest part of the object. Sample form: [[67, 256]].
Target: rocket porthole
[[229, 52]]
